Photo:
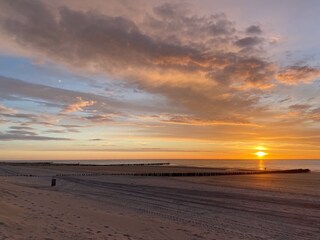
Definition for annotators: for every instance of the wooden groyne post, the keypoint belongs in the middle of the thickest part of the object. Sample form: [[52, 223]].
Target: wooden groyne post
[[53, 182]]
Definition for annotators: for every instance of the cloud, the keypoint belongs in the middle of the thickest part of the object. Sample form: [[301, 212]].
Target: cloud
[[248, 42], [21, 128], [202, 64], [25, 119], [294, 75], [315, 114], [5, 110], [18, 89], [192, 60], [14, 89], [27, 136], [284, 99], [177, 23], [100, 118], [305, 112], [254, 29], [273, 40], [155, 149], [56, 131], [21, 122], [187, 120], [25, 116], [300, 116], [79, 105], [22, 132], [300, 107], [65, 129]]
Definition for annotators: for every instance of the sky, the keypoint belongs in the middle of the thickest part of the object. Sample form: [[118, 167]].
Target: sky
[[120, 79]]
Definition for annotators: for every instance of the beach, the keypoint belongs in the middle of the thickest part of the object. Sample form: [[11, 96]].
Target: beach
[[263, 206]]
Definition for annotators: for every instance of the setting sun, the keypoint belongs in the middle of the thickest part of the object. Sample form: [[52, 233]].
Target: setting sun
[[261, 154]]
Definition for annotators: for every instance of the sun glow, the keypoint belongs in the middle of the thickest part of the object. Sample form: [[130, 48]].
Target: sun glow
[[261, 148], [261, 154]]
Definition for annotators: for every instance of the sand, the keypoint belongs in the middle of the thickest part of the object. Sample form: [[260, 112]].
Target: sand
[[277, 206]]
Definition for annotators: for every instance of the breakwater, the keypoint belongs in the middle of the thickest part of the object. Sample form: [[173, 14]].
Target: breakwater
[[160, 174], [191, 174]]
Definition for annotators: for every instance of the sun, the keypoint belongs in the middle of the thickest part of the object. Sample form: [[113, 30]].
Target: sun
[[261, 154], [260, 151]]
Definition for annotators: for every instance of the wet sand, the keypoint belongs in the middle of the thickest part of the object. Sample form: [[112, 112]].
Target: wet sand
[[275, 206]]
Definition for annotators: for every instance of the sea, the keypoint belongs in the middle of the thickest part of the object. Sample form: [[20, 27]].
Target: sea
[[256, 164]]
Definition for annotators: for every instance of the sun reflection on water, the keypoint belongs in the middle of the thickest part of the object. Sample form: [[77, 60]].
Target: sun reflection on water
[[261, 165]]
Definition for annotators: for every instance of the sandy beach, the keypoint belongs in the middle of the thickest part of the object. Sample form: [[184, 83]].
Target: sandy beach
[[274, 206]]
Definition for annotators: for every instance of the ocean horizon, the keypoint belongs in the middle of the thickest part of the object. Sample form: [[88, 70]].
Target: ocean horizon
[[256, 164]]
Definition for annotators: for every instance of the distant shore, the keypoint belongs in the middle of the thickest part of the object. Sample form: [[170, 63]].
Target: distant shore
[[40, 163]]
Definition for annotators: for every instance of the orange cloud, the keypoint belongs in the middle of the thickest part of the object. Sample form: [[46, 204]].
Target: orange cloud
[[6, 110], [298, 74], [186, 120], [79, 105]]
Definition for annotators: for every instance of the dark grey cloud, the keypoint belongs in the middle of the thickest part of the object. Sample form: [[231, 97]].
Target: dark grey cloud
[[26, 116], [21, 132], [26, 137], [56, 131], [252, 71], [300, 107], [100, 118], [189, 120], [151, 149], [284, 99], [248, 42], [254, 29], [172, 19], [22, 128], [70, 126], [85, 35]]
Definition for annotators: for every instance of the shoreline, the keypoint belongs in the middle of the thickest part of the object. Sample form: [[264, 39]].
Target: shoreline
[[257, 164], [143, 169], [80, 164]]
